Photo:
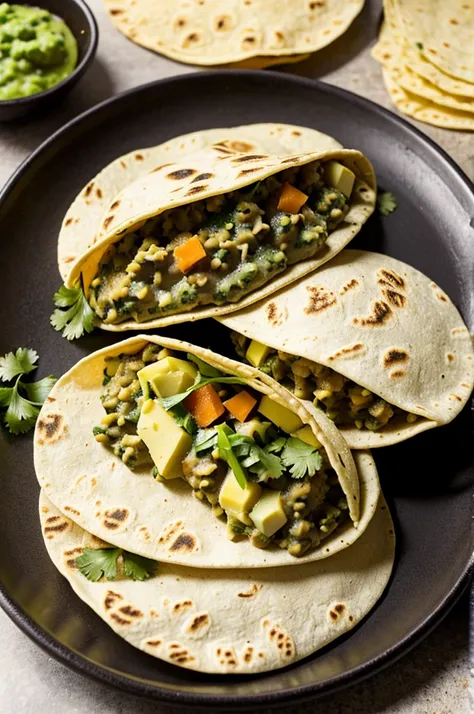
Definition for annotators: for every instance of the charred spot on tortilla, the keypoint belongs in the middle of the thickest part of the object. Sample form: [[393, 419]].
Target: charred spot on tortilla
[[115, 518], [179, 653], [455, 397], [154, 643], [139, 157], [70, 557], [185, 542], [396, 299], [179, 607], [68, 221], [248, 654], [226, 656], [116, 11], [88, 189], [381, 314], [196, 189], [244, 172], [254, 589], [351, 284], [111, 599], [223, 23], [398, 374], [55, 525], [202, 177], [345, 352], [320, 298], [450, 357], [390, 278], [70, 509], [395, 356], [160, 168], [170, 530], [248, 157], [107, 221], [50, 429], [180, 174], [130, 611], [119, 619], [199, 623]]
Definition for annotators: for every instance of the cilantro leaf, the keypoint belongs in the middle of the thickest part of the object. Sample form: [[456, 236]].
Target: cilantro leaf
[[386, 203], [205, 369], [38, 391], [184, 418], [22, 411], [137, 567], [97, 563], [419, 45], [276, 446], [226, 454], [22, 362], [300, 458], [76, 320], [169, 402]]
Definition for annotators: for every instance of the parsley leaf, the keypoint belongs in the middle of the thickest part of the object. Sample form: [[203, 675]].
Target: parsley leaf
[[386, 203], [22, 400], [169, 402], [205, 369], [78, 318], [22, 362], [137, 567], [300, 458], [99, 563]]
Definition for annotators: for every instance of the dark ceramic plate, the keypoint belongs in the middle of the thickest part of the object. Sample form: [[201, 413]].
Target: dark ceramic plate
[[428, 480]]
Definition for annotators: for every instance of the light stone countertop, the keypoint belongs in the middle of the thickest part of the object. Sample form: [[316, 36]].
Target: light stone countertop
[[432, 679]]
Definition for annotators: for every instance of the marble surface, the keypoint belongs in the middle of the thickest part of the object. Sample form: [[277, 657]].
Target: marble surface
[[433, 678]]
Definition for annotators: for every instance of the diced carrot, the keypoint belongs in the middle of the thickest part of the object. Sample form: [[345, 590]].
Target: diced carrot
[[189, 253], [291, 199], [240, 405], [205, 405]]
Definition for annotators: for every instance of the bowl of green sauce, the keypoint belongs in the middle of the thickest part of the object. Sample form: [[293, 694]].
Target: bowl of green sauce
[[44, 50]]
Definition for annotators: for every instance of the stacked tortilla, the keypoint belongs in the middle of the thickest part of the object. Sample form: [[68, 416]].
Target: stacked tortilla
[[248, 34], [426, 51]]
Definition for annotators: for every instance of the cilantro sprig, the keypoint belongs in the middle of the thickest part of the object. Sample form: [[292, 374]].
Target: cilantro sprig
[[73, 315], [98, 563], [22, 400], [386, 203], [300, 458]]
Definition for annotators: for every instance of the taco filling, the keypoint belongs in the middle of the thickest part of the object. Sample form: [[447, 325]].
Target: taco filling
[[342, 400], [217, 250], [252, 460]]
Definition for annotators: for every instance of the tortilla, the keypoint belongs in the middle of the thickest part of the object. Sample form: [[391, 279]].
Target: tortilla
[[162, 520], [213, 33], [442, 31], [380, 323], [174, 185], [82, 221], [227, 622]]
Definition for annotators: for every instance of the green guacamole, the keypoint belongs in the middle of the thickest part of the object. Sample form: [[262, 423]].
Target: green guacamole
[[37, 51]]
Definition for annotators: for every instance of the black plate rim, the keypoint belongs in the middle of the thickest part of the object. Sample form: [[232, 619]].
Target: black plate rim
[[168, 695]]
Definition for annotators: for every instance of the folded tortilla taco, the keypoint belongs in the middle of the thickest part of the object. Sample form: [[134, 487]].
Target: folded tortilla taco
[[179, 454], [207, 234], [225, 621], [82, 222], [372, 342]]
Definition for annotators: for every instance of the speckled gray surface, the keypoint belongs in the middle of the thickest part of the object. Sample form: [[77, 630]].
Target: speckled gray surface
[[432, 679]]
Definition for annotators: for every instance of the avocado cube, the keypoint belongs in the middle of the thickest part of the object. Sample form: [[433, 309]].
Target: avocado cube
[[167, 442], [339, 176], [167, 377], [306, 434], [268, 514], [235, 498], [281, 416], [257, 353]]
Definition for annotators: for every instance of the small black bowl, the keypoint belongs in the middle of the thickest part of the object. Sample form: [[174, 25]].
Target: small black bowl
[[80, 20]]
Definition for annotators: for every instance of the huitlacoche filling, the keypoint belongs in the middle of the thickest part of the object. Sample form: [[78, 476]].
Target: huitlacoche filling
[[342, 400], [246, 241], [282, 469]]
